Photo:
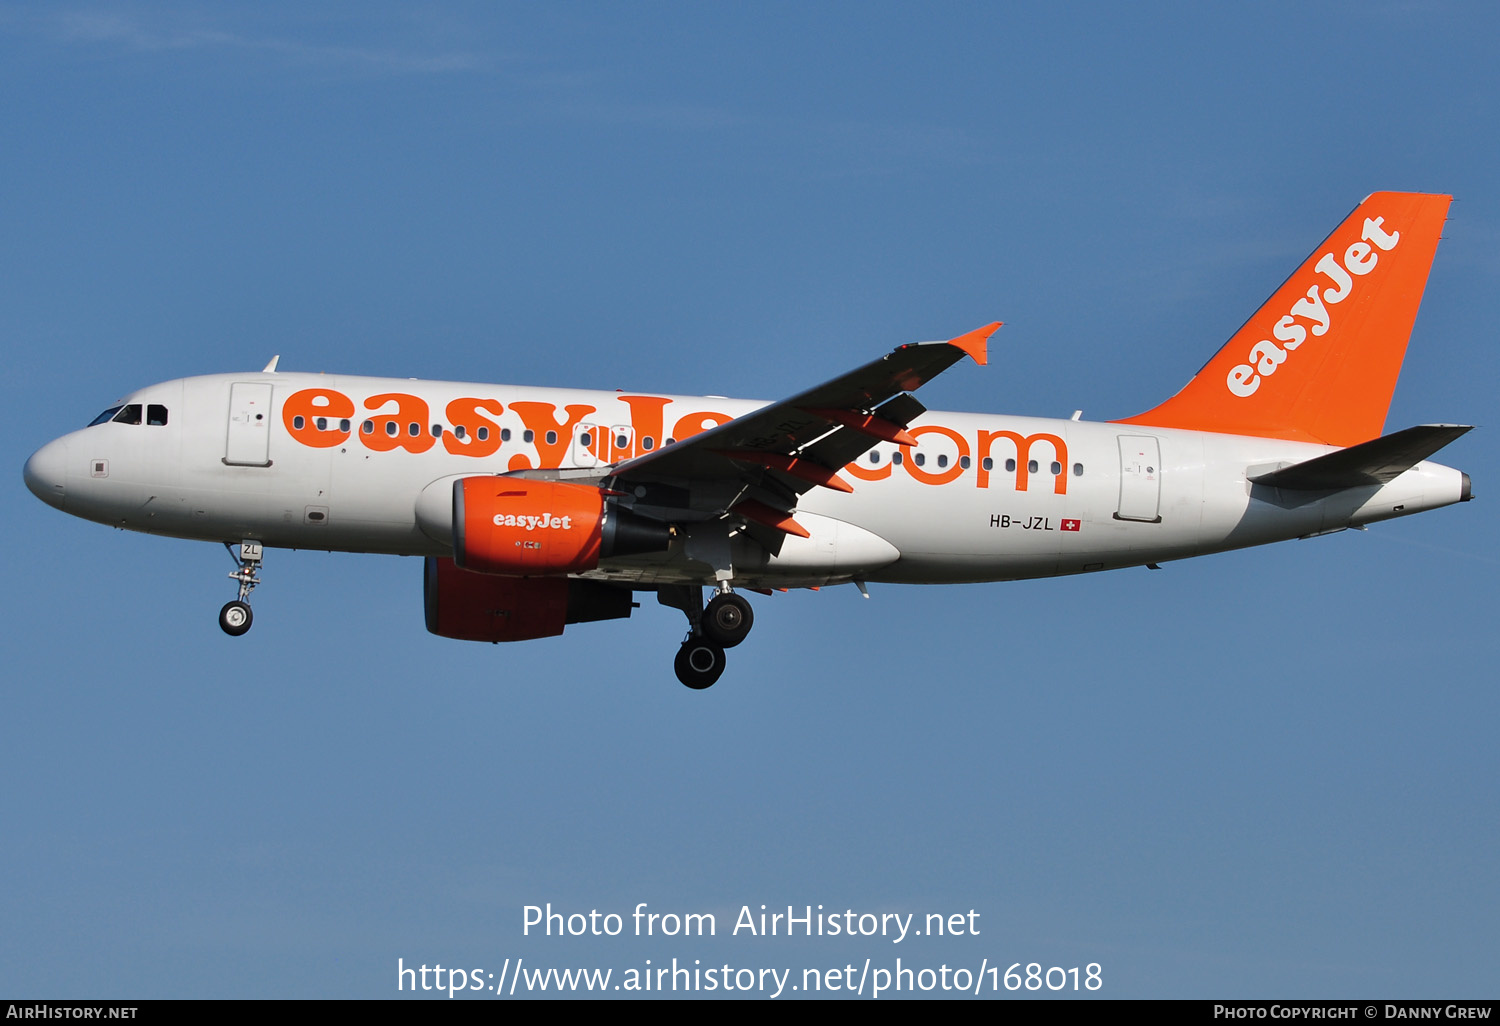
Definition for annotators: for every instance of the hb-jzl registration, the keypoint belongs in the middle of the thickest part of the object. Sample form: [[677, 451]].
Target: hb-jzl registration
[[540, 507]]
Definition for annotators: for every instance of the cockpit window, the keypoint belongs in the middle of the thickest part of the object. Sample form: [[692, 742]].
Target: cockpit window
[[129, 414], [156, 415], [105, 417]]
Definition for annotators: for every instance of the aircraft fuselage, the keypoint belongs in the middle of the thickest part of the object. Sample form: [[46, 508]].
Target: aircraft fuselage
[[979, 498]]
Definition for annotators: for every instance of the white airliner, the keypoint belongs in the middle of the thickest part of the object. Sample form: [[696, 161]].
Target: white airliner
[[540, 507]]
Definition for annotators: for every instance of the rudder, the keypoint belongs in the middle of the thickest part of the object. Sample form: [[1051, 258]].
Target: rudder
[[1318, 361]]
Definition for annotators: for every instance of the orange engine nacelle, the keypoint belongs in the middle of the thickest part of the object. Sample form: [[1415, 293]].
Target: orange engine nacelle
[[487, 607], [523, 528]]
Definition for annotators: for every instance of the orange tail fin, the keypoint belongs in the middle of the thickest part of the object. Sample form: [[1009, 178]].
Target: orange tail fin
[[1319, 361]]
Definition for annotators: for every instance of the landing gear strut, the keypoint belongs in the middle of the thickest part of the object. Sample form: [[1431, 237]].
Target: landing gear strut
[[723, 624], [235, 618]]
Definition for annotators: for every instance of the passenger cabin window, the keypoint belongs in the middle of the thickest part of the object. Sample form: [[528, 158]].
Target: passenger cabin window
[[504, 434], [1078, 470], [648, 443], [585, 439], [551, 437], [107, 416], [156, 415], [484, 434], [129, 414], [528, 435]]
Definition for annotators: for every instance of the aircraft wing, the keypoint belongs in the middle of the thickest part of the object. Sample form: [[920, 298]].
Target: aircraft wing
[[773, 455]]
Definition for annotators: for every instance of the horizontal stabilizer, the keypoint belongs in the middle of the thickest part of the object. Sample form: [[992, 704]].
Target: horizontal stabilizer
[[1375, 462]]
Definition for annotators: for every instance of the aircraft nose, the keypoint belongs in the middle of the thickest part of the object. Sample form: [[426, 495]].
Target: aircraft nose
[[46, 472]]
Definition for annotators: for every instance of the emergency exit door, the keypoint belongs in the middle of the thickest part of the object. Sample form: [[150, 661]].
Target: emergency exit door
[[1140, 479], [249, 440]]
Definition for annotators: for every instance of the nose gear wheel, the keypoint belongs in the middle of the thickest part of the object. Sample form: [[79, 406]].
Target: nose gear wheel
[[235, 618]]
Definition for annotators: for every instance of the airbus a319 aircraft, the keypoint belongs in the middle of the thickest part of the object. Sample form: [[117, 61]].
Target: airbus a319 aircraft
[[540, 507]]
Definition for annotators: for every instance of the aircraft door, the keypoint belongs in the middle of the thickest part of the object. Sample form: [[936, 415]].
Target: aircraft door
[[1140, 479], [248, 443]]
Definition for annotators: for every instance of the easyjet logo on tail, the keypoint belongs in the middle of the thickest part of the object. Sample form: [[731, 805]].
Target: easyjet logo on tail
[[1336, 331], [1359, 260]]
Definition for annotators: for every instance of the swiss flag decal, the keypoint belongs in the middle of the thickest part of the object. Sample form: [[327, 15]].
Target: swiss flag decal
[[1071, 525]]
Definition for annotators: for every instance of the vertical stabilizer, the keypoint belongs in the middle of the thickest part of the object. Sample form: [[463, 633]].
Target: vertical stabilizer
[[1319, 361]]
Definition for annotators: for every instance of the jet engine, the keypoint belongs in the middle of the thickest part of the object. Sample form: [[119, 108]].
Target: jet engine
[[524, 528], [486, 607]]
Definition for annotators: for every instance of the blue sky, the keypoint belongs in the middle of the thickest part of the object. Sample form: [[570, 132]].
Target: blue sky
[[1266, 773]]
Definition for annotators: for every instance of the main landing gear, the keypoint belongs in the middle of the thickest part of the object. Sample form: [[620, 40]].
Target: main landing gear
[[699, 662], [724, 623], [727, 620], [235, 618]]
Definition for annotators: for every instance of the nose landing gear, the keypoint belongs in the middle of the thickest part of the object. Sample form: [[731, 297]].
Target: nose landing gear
[[235, 618]]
